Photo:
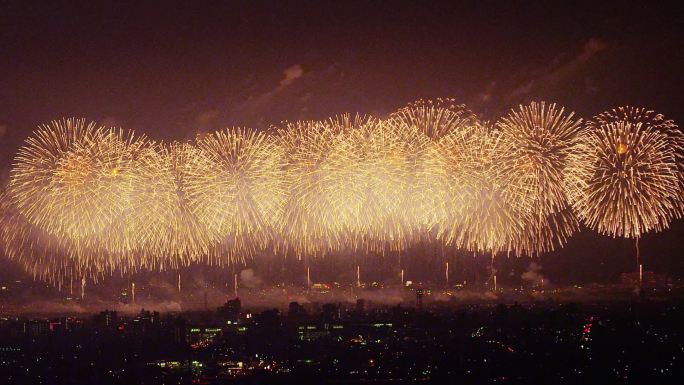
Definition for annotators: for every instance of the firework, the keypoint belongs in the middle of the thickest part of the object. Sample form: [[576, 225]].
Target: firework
[[348, 183], [537, 140], [235, 188], [188, 238], [435, 118], [85, 201], [403, 151], [625, 179], [535, 143], [74, 179], [311, 223], [42, 255], [421, 126], [146, 226], [475, 213], [657, 122], [72, 183], [371, 161], [158, 229]]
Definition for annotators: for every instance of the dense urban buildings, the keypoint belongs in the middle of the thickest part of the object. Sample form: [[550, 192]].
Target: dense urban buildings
[[629, 340]]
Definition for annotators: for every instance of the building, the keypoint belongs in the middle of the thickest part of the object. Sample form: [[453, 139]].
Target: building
[[230, 311], [296, 311], [107, 319]]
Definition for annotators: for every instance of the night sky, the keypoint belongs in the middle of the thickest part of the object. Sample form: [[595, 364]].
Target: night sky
[[174, 69]]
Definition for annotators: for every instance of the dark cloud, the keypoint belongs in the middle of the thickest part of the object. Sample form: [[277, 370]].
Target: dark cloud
[[291, 74], [546, 80], [206, 120], [257, 107]]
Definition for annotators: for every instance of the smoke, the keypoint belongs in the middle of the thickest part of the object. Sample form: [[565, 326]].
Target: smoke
[[275, 298], [205, 120], [534, 275], [280, 297], [250, 280], [291, 73], [257, 104], [466, 296], [53, 307], [383, 297], [160, 306]]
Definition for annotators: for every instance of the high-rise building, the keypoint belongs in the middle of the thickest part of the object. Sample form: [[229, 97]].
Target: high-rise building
[[295, 310], [106, 319], [231, 310], [360, 306]]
